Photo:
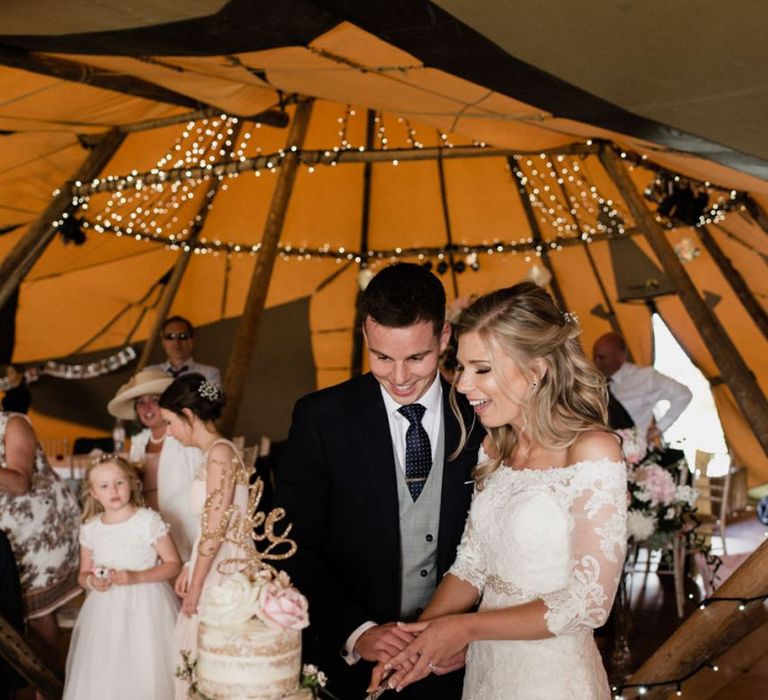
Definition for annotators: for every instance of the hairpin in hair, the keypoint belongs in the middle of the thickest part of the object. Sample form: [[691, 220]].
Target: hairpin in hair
[[570, 317], [208, 390]]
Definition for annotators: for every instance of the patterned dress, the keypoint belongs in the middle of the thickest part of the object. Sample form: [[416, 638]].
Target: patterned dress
[[558, 535], [42, 526]]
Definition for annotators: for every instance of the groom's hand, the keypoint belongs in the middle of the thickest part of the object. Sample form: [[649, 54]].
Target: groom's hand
[[382, 642]]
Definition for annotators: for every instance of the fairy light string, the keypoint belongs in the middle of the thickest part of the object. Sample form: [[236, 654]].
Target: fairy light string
[[151, 206], [677, 683]]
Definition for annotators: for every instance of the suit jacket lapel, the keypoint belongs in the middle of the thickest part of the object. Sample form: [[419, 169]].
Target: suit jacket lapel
[[378, 460]]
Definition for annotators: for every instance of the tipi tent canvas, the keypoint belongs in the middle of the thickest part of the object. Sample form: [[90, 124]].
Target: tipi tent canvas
[[161, 135]]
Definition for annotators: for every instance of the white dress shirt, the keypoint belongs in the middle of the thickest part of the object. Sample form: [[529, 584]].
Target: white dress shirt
[[210, 372], [432, 421], [639, 389]]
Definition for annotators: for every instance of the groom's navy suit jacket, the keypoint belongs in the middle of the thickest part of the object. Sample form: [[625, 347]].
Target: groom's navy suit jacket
[[338, 485]]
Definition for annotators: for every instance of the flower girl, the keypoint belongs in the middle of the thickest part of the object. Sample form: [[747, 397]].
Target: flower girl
[[122, 645]]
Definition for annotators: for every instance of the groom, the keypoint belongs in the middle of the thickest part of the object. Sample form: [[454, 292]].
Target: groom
[[377, 503]]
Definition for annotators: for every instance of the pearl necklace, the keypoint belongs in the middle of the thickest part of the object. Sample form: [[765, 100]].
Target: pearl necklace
[[156, 441]]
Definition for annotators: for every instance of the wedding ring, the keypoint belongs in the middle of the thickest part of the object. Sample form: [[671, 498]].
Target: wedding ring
[[431, 666]]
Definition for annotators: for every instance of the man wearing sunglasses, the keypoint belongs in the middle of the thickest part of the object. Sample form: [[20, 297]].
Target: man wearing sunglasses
[[178, 336]]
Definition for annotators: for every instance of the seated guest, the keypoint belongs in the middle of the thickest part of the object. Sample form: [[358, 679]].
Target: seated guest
[[637, 390], [178, 336], [169, 466], [11, 609], [41, 518], [17, 397]]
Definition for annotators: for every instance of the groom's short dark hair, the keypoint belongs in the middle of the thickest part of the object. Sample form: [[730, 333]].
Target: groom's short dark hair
[[403, 294]]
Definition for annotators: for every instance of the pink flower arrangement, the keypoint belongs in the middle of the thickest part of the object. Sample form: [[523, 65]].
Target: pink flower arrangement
[[657, 482], [283, 606]]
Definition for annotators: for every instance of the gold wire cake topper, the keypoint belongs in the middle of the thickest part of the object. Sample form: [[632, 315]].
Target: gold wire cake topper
[[249, 531]]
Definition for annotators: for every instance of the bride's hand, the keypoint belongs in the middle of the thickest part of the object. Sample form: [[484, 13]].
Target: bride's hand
[[437, 646]]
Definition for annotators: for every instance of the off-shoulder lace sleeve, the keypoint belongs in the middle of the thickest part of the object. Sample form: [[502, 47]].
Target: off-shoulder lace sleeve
[[470, 564], [598, 545]]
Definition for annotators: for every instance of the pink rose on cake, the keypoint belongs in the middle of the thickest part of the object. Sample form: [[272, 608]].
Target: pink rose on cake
[[283, 606]]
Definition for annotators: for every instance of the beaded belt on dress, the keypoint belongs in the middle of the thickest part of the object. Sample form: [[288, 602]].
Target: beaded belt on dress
[[502, 587]]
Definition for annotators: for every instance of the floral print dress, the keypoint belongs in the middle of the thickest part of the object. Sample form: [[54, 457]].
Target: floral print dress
[[42, 526]]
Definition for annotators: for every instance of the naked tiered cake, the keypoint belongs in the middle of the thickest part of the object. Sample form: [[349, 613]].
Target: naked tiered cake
[[249, 639]]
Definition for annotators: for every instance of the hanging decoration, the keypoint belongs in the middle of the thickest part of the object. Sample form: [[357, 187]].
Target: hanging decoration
[[539, 275], [88, 370], [364, 276], [687, 250]]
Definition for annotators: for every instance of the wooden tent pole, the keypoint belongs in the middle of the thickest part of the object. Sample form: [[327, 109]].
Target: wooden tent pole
[[536, 231], [357, 325], [757, 213], [181, 264], [25, 253], [323, 157], [709, 632], [734, 278], [733, 369], [447, 223], [248, 327], [15, 649]]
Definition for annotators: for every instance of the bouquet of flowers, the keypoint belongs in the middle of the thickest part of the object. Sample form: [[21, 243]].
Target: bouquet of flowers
[[659, 507]]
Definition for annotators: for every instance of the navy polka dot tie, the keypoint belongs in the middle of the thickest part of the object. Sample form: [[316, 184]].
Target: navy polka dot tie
[[418, 452]]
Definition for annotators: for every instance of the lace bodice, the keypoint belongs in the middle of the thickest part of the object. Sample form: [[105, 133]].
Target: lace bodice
[[556, 534], [127, 545]]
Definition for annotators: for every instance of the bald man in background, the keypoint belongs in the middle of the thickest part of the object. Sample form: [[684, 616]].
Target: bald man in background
[[639, 389]]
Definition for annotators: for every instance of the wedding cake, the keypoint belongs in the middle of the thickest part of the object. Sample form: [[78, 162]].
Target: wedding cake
[[249, 639]]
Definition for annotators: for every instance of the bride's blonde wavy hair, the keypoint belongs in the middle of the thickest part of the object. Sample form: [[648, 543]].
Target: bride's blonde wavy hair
[[523, 323]]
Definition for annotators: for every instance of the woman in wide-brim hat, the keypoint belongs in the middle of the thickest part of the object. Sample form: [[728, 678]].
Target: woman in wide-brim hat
[[169, 467]]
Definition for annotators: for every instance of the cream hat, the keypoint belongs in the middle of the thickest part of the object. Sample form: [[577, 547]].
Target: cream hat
[[148, 381]]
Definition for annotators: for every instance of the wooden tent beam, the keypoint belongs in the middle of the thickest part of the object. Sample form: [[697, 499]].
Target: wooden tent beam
[[26, 252], [536, 231], [734, 278], [248, 327], [271, 117], [757, 213], [447, 223], [15, 649], [733, 369], [180, 267], [709, 632], [320, 157], [365, 222], [93, 76]]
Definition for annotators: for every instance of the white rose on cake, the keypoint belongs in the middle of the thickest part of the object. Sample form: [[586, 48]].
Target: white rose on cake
[[232, 602]]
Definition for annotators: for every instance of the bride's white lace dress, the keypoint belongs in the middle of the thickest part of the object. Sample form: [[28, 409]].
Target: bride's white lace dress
[[555, 534]]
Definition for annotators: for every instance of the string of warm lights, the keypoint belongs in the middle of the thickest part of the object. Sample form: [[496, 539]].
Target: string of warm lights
[[203, 246], [677, 683], [150, 205]]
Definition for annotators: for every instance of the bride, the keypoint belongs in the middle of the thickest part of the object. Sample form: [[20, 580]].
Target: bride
[[544, 543]]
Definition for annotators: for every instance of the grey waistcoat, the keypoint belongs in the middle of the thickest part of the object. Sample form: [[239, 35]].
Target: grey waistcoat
[[419, 524]]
